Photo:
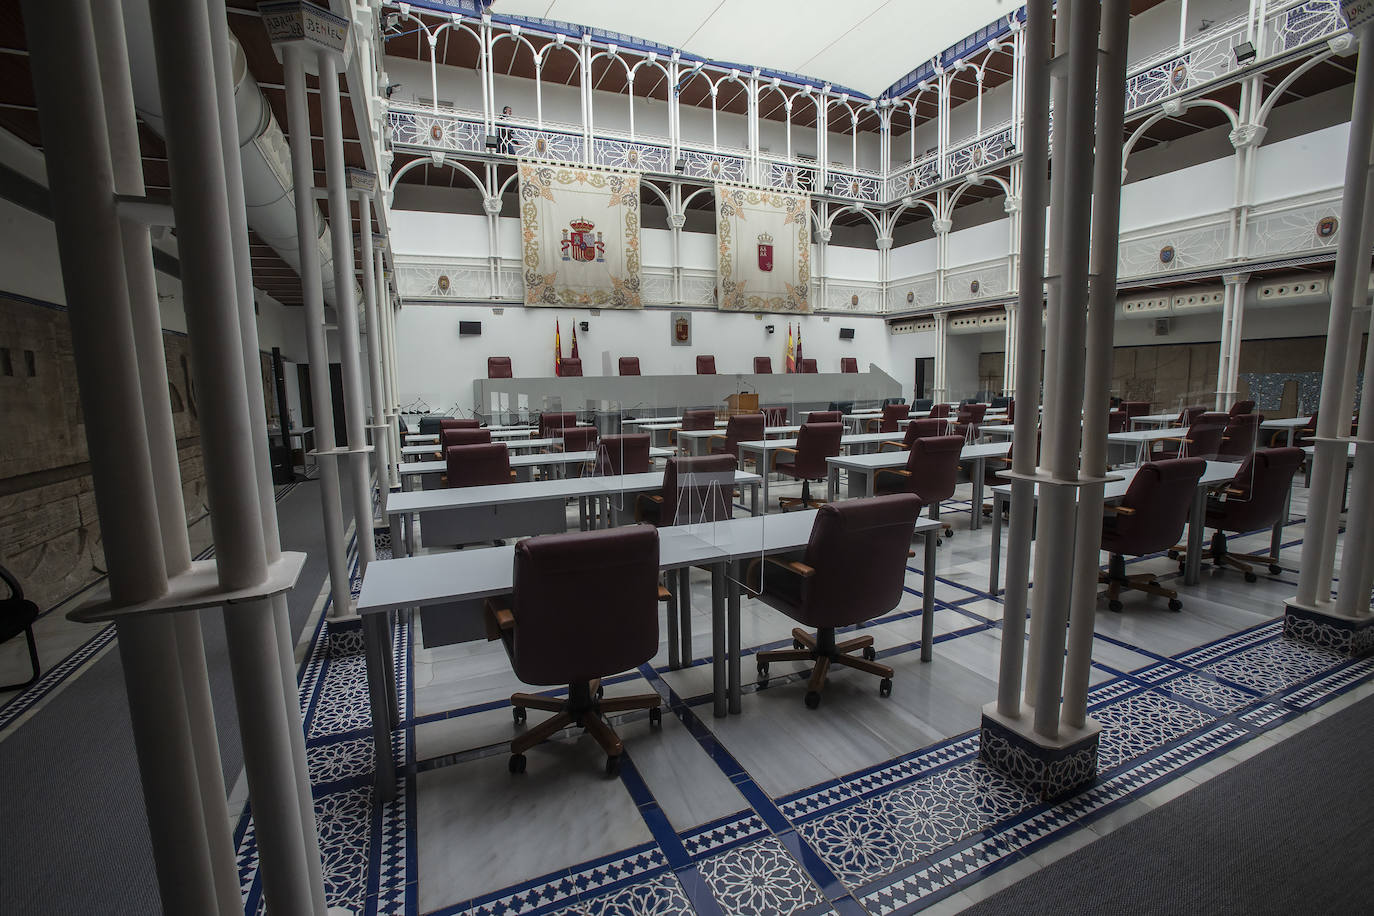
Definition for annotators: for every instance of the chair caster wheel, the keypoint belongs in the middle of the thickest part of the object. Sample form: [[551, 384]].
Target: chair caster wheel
[[885, 687], [1172, 554], [1182, 566], [763, 674], [798, 644], [656, 716], [518, 714], [1175, 605], [1251, 577], [1275, 569], [600, 692], [870, 653], [613, 765], [517, 763], [813, 699], [1114, 606]]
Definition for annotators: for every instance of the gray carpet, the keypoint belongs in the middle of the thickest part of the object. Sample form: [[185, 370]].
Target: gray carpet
[[1289, 831], [74, 837]]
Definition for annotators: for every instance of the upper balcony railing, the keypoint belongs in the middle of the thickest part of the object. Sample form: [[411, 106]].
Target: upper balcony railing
[[1207, 58]]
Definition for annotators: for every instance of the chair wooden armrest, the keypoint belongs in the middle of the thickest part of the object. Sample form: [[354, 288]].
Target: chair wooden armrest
[[773, 466], [910, 554], [498, 617], [710, 439], [1118, 510], [899, 446], [901, 472], [801, 569], [1176, 439], [664, 594], [651, 497], [1233, 491]]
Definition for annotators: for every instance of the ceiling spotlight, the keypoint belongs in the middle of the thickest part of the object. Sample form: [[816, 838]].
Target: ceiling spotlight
[[493, 142], [1245, 52], [680, 166]]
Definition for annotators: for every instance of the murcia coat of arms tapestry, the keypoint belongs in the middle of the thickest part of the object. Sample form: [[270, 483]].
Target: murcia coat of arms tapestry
[[579, 236], [764, 244]]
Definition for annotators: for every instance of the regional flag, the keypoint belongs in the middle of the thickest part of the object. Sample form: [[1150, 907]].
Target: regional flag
[[790, 363], [557, 350]]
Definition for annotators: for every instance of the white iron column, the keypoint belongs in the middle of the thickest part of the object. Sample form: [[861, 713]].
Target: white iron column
[[1029, 341], [938, 387], [67, 84], [200, 199], [388, 357], [1232, 323], [345, 305], [1357, 557], [312, 294], [108, 19], [378, 426], [1314, 578], [1106, 219]]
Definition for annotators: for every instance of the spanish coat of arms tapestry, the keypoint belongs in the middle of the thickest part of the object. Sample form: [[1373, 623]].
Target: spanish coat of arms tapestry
[[764, 243], [579, 236]]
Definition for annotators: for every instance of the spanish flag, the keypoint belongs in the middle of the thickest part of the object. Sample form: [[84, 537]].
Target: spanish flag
[[557, 350], [791, 364]]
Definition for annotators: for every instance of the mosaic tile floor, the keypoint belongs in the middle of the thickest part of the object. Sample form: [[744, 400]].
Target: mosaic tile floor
[[865, 805]]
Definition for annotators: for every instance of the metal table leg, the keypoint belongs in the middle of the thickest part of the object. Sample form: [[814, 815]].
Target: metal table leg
[[376, 643], [832, 482], [674, 642], [718, 624], [977, 520], [931, 539], [995, 564], [732, 635], [684, 613], [1192, 570]]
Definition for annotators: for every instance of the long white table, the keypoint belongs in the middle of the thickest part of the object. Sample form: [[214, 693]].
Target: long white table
[[694, 441], [463, 579], [862, 471], [468, 515], [512, 445], [1216, 474], [429, 472], [760, 448], [1142, 439], [1154, 420], [1289, 425]]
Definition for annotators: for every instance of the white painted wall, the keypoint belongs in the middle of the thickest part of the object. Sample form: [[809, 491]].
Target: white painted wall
[[438, 365]]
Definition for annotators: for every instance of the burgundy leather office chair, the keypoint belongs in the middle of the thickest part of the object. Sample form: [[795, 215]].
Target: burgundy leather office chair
[[1201, 440], [931, 473], [551, 424], [570, 367], [742, 427], [849, 364], [478, 465], [852, 571], [763, 365], [499, 367], [815, 443], [695, 490], [698, 419], [1253, 501], [629, 365], [808, 367], [825, 416], [451, 437], [584, 607], [458, 423], [939, 410], [624, 454], [923, 428], [1116, 421], [1240, 437], [968, 421], [1302, 437], [706, 365], [17, 615], [1149, 519], [1241, 408], [579, 438], [1187, 415], [894, 415], [1130, 409], [1011, 410], [775, 416]]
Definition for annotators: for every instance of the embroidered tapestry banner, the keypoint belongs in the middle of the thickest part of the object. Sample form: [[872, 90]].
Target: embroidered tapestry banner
[[580, 236], [764, 241]]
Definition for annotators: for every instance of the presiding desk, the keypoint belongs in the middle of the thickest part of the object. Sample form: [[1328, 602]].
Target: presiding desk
[[1216, 474], [862, 471], [462, 579]]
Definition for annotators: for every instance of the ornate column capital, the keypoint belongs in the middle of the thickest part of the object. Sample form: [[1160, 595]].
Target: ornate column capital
[[884, 242], [492, 205], [824, 236], [1011, 204], [676, 220], [1247, 135], [941, 226]]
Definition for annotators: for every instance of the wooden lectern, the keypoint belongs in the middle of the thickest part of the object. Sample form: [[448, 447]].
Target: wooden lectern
[[741, 403]]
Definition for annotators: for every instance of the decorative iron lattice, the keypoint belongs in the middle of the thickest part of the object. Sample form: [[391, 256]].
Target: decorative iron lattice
[[1302, 24], [788, 176], [915, 178], [429, 129], [1300, 229], [629, 154], [714, 166], [980, 152], [984, 280], [1173, 250], [850, 297], [656, 287], [920, 289], [444, 280], [860, 185]]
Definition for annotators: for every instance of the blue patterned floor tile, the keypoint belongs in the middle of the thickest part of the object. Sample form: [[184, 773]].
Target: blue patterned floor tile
[[1274, 665], [658, 896], [759, 878], [1136, 725], [1208, 691]]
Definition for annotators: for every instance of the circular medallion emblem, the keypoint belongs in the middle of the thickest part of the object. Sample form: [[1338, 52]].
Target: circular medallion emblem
[[540, 145], [1178, 77], [973, 287], [632, 157], [715, 169], [1166, 254], [436, 133], [911, 181], [854, 187], [979, 155], [1326, 227], [443, 283], [910, 298], [854, 301]]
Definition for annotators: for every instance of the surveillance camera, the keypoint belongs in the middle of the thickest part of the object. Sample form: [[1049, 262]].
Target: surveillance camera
[[768, 328]]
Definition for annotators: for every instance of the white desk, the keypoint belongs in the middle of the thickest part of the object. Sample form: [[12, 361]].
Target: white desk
[[426, 452], [429, 472], [661, 432], [644, 420], [760, 448], [468, 515], [1141, 439], [1216, 474], [1290, 425], [694, 441], [462, 579], [862, 471], [859, 418], [1154, 420]]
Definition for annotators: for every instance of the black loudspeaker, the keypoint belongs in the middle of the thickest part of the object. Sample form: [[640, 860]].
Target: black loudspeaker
[[585, 326], [467, 328], [846, 333]]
